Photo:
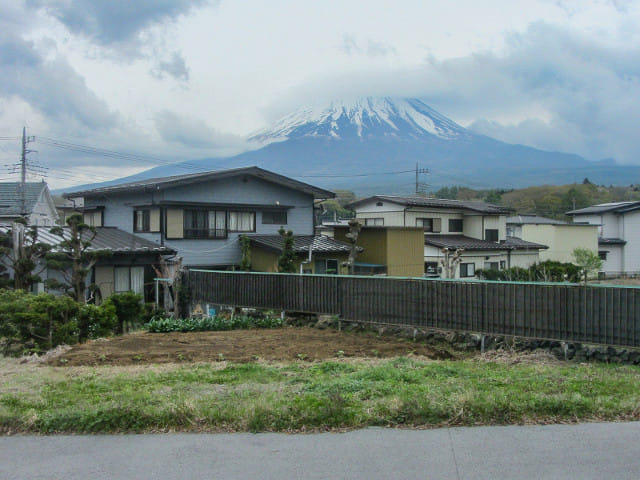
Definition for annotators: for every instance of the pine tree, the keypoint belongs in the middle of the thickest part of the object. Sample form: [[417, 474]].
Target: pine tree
[[73, 258], [287, 258]]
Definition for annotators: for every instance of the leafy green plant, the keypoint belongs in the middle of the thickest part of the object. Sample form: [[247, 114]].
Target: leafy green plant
[[588, 261], [245, 247], [128, 308], [288, 256], [217, 323]]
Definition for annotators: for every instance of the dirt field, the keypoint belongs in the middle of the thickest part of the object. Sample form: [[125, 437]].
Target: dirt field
[[281, 344]]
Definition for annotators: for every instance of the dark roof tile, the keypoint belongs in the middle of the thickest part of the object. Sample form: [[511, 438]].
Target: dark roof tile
[[301, 243]]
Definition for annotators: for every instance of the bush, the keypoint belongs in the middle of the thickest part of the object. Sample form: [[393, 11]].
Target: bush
[[548, 271], [35, 323], [129, 309], [217, 323], [96, 321]]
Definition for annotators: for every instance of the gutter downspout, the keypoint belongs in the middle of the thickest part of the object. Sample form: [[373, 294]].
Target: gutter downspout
[[310, 256]]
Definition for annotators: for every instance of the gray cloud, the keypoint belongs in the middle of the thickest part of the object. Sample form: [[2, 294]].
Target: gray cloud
[[175, 67], [109, 22], [551, 88], [370, 48], [52, 87], [194, 133]]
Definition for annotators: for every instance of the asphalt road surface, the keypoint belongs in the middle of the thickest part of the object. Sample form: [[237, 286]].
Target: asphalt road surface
[[586, 451]]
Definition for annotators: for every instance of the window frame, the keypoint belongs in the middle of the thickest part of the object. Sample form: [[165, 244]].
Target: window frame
[[271, 220], [497, 234], [422, 220], [187, 232], [373, 222], [466, 270], [146, 220], [241, 212], [456, 220]]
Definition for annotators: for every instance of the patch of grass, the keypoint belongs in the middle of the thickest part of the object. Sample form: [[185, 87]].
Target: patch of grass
[[311, 396]]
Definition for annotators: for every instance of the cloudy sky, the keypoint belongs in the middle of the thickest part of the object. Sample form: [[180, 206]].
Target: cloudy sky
[[170, 80]]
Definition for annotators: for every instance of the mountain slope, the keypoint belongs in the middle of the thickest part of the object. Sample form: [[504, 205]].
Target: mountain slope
[[356, 144]]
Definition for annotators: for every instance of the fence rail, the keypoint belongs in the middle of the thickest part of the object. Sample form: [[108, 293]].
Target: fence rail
[[563, 312]]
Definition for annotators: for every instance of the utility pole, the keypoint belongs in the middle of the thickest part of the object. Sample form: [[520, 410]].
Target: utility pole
[[420, 186], [23, 170]]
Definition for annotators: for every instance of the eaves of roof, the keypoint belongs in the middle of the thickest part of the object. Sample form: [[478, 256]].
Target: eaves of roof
[[437, 203], [178, 180]]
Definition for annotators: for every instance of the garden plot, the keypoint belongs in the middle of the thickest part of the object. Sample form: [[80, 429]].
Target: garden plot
[[280, 344]]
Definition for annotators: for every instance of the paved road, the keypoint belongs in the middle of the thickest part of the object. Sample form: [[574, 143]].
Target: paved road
[[598, 451]]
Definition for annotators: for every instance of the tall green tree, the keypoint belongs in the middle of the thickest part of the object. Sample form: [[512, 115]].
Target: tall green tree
[[588, 261], [245, 248], [73, 257], [286, 262]]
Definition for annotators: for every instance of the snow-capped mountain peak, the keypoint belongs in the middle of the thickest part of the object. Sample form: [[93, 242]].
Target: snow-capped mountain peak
[[363, 118]]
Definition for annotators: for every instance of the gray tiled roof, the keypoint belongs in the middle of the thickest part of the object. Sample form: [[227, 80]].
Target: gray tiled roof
[[516, 243], [611, 241], [480, 207], [10, 197], [164, 182], [468, 243], [301, 243], [618, 207], [534, 220], [106, 238]]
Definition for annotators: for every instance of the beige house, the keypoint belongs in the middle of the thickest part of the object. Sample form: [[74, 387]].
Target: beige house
[[562, 238], [478, 229], [392, 251]]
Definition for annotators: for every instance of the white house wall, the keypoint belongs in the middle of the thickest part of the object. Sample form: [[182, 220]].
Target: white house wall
[[613, 265], [630, 225], [472, 226]]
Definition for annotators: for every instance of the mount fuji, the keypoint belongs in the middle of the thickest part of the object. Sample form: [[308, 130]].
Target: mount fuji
[[372, 145]]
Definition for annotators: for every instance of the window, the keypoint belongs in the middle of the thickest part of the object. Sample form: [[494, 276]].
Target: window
[[327, 266], [467, 270], [129, 279], [274, 218], [374, 222], [491, 266], [431, 269], [242, 222], [511, 232], [491, 235], [602, 254], [378, 204], [425, 223], [141, 221], [205, 224], [93, 219], [503, 264], [455, 225]]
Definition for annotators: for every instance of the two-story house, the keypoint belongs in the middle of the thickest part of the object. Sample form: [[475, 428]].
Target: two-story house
[[477, 229], [618, 235], [31, 200], [201, 215]]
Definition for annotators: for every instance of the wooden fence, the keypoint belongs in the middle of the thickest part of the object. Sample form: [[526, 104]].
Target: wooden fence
[[563, 312]]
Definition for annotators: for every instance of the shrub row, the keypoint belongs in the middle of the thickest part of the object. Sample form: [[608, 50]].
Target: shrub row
[[219, 322], [35, 323], [547, 271]]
